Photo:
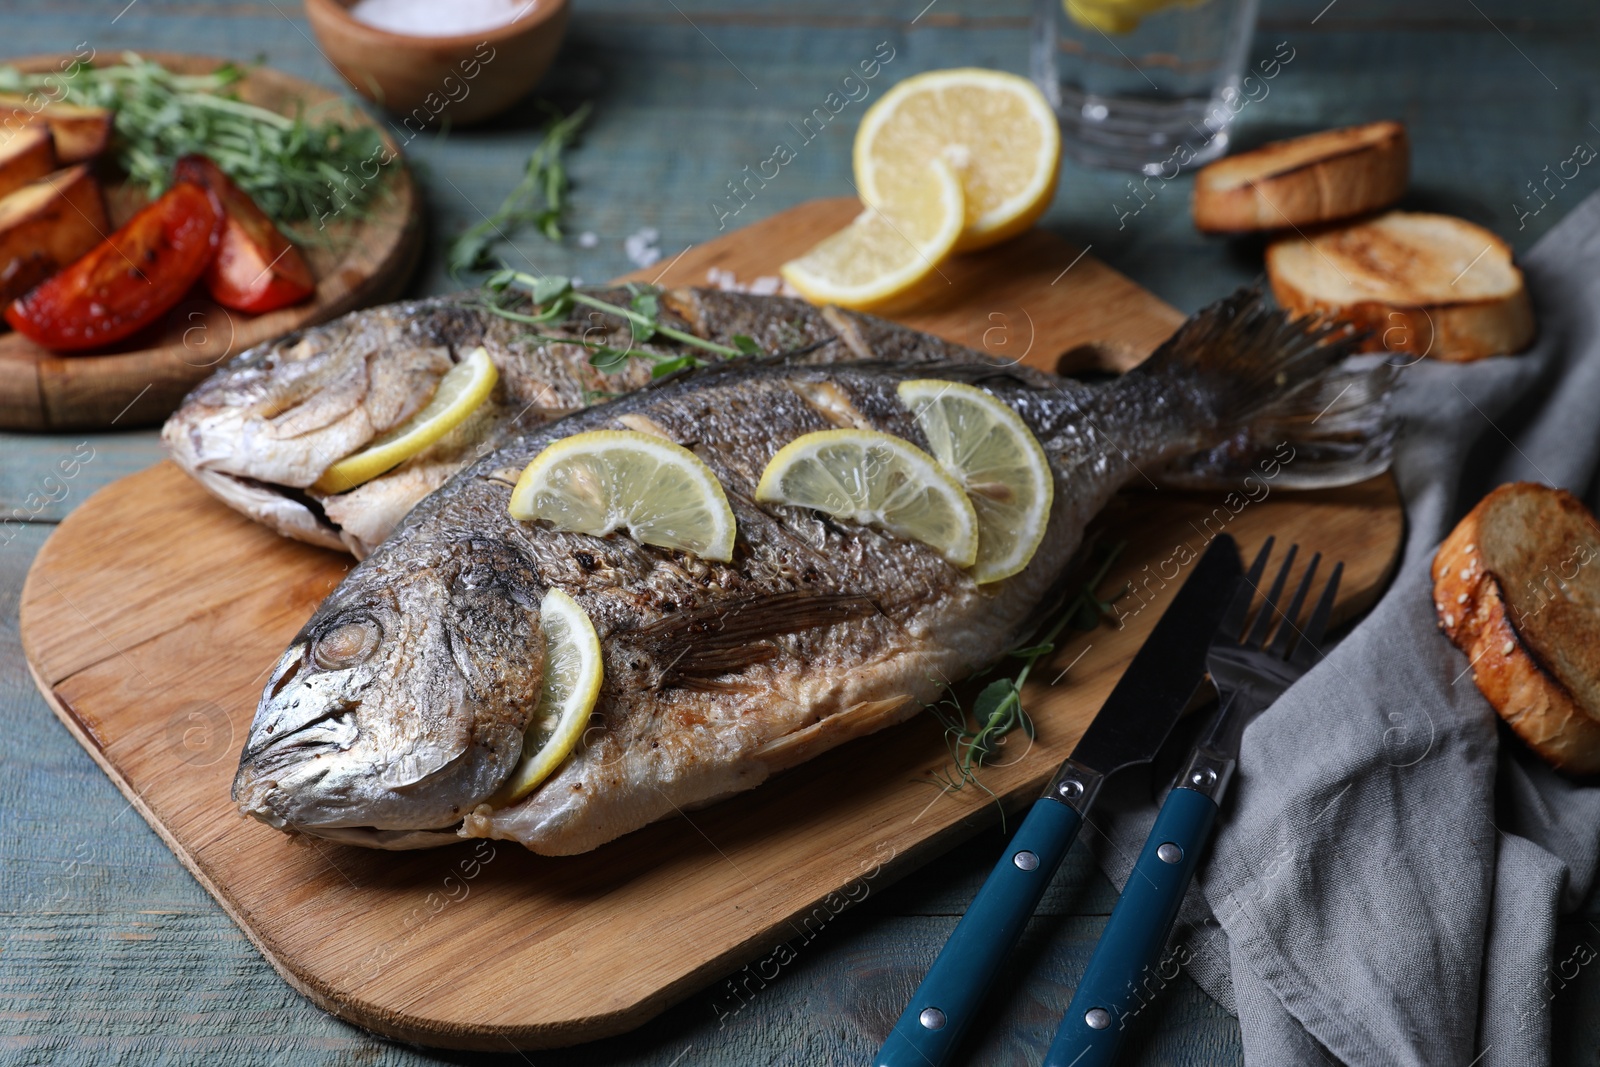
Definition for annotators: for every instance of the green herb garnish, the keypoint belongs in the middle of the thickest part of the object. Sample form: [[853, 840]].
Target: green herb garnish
[[538, 200], [553, 298], [292, 168], [973, 738]]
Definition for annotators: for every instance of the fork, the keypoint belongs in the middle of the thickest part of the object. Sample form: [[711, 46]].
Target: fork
[[1249, 674]]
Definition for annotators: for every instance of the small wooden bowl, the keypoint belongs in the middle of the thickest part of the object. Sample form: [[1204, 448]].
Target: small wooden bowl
[[467, 77]]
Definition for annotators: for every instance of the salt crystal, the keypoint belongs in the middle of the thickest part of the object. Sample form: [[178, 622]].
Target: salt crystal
[[641, 246], [766, 285]]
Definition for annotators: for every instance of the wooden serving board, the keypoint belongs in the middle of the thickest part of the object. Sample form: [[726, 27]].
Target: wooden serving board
[[356, 262], [152, 615]]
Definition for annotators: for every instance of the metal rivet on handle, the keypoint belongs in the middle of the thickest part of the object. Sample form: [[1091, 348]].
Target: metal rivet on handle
[[1169, 852], [931, 1019], [1203, 778], [1070, 789], [1025, 860], [1097, 1018]]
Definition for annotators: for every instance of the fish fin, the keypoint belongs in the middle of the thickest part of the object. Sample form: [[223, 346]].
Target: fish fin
[[872, 340], [1279, 388], [702, 643], [1337, 431], [778, 325], [858, 720]]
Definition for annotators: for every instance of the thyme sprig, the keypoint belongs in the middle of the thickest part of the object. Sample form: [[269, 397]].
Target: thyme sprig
[[554, 297], [538, 200], [974, 737]]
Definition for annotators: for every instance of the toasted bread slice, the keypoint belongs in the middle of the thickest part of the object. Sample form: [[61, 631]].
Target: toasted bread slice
[[1517, 588], [1322, 177], [27, 154], [46, 225], [1426, 285]]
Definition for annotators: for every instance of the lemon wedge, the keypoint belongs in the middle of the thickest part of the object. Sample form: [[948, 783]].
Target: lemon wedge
[[987, 447], [995, 130], [875, 479], [607, 480], [572, 677], [891, 249], [464, 387]]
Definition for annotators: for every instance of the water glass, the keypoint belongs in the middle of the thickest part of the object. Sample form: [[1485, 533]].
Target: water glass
[[1145, 85]]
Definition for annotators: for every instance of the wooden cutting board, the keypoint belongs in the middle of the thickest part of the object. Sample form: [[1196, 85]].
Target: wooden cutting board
[[356, 262], [152, 615]]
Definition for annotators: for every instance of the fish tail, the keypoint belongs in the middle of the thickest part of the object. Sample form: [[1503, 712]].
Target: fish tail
[[1275, 390]]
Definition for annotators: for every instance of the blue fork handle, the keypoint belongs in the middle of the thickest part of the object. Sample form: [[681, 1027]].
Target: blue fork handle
[[951, 994], [1125, 969]]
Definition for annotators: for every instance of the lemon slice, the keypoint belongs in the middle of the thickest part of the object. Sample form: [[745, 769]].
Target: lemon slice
[[890, 249], [607, 480], [1119, 16], [987, 447], [572, 677], [995, 130], [464, 387], [875, 479], [1099, 16]]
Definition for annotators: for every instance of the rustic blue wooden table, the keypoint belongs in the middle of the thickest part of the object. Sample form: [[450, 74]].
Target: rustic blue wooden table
[[111, 953]]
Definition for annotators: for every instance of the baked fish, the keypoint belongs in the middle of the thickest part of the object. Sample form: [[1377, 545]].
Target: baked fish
[[261, 430], [401, 705]]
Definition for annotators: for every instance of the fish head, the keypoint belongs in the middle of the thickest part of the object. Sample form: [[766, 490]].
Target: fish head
[[283, 412], [402, 704]]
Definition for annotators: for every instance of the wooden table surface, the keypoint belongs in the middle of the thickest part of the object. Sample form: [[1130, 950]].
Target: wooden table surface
[[111, 953]]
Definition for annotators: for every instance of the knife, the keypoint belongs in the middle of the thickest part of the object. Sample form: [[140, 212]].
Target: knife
[[1249, 675], [1129, 729]]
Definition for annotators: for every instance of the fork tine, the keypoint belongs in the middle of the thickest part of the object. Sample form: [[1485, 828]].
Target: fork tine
[[1287, 629], [1269, 608], [1309, 650], [1233, 619]]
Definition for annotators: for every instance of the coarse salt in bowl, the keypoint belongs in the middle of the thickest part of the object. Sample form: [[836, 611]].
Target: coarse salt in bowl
[[427, 61]]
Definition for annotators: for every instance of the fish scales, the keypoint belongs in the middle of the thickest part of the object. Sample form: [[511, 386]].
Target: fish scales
[[717, 674], [264, 427]]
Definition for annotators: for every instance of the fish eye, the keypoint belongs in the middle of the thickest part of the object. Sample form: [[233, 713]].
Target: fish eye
[[347, 644]]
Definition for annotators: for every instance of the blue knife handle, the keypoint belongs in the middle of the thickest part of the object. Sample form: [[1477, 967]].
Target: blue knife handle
[[952, 992], [1125, 969]]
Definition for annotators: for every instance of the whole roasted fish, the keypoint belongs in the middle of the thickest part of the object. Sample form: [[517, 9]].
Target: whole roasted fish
[[401, 705], [261, 430]]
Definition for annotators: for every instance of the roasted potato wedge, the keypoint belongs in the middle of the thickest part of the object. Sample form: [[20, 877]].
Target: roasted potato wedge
[[27, 154], [46, 225], [80, 132]]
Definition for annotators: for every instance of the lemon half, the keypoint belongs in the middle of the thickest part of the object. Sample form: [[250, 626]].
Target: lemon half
[[891, 249], [879, 480], [606, 480], [572, 676], [995, 130], [464, 387], [987, 447]]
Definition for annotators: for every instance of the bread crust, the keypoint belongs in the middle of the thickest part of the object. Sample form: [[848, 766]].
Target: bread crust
[[1455, 331], [1322, 177], [1470, 600]]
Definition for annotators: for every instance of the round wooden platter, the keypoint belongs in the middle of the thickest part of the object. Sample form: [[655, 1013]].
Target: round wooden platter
[[356, 262]]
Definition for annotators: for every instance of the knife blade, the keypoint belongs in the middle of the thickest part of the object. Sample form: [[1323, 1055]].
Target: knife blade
[[1130, 728]]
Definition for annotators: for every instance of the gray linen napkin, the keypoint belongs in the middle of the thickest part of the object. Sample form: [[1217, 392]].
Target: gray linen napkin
[[1385, 886]]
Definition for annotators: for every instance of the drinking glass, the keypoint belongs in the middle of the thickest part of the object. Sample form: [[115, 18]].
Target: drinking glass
[[1143, 84]]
